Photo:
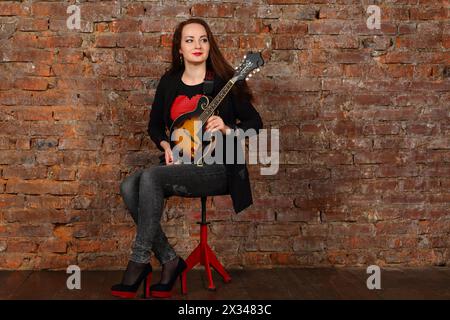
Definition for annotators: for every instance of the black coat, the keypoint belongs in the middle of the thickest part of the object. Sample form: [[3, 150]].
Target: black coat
[[230, 110]]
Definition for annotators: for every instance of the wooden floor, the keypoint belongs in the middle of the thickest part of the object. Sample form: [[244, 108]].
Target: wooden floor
[[282, 283]]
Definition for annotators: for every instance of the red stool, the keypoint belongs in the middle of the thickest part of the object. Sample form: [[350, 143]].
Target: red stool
[[204, 255]]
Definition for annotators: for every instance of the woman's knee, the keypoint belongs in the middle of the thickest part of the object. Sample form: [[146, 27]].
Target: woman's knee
[[130, 185], [150, 175]]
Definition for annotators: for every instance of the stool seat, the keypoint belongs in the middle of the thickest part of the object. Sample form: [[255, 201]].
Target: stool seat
[[204, 255]]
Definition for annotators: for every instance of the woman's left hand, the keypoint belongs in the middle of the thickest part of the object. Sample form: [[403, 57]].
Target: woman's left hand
[[215, 123]]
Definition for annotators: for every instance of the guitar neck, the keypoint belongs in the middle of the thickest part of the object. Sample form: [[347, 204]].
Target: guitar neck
[[209, 111]]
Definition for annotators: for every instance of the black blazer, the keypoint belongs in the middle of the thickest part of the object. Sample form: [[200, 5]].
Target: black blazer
[[230, 110]]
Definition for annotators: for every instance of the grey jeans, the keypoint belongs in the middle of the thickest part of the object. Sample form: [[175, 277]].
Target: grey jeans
[[145, 190]]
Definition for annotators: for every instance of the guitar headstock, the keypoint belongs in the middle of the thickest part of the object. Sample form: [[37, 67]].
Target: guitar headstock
[[251, 64]]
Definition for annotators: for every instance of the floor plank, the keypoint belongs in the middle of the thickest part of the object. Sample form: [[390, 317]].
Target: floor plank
[[258, 284], [11, 281]]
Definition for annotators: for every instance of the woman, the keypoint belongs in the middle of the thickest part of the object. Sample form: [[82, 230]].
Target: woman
[[194, 52]]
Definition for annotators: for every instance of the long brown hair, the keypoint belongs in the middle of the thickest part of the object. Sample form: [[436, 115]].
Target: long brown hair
[[215, 62]]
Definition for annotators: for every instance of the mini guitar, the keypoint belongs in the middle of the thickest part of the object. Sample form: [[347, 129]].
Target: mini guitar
[[187, 130]]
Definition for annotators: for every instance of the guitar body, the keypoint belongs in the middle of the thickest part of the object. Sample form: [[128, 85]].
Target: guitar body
[[188, 130]]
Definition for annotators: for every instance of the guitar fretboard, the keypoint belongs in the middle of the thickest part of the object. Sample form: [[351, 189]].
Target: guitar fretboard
[[209, 111]]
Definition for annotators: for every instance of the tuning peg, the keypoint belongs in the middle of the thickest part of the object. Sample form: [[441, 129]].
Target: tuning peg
[[245, 56], [250, 75], [235, 68], [258, 70], [246, 78]]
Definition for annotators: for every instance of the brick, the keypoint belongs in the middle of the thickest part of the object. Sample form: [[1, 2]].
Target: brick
[[234, 26], [13, 9], [329, 27], [297, 214], [407, 28], [25, 172], [350, 57], [253, 42], [397, 171], [412, 41], [104, 173], [46, 201], [372, 99], [256, 258], [125, 25], [344, 13], [265, 12], [432, 13], [158, 25], [49, 9], [11, 201], [34, 84], [287, 230], [224, 10], [396, 227], [56, 261], [15, 156], [341, 41], [308, 244], [32, 24], [105, 41], [285, 42], [69, 55], [100, 12], [428, 72], [21, 246], [141, 41], [55, 246], [382, 129], [41, 187], [230, 230], [47, 42], [46, 158], [377, 157], [27, 230], [95, 246], [316, 202], [273, 244], [289, 26]]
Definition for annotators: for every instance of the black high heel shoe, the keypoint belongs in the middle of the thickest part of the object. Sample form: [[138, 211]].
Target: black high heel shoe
[[129, 291], [161, 290]]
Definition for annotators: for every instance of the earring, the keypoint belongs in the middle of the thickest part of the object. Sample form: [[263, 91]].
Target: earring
[[181, 59]]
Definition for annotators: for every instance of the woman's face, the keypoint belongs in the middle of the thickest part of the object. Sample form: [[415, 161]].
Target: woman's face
[[194, 44]]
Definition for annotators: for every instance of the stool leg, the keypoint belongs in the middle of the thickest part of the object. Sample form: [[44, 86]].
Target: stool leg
[[184, 282], [205, 256], [193, 259], [218, 266]]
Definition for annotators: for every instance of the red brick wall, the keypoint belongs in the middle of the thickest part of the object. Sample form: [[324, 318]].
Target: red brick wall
[[363, 118]]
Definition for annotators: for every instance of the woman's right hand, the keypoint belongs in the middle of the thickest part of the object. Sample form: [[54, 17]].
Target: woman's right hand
[[167, 152], [169, 156]]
